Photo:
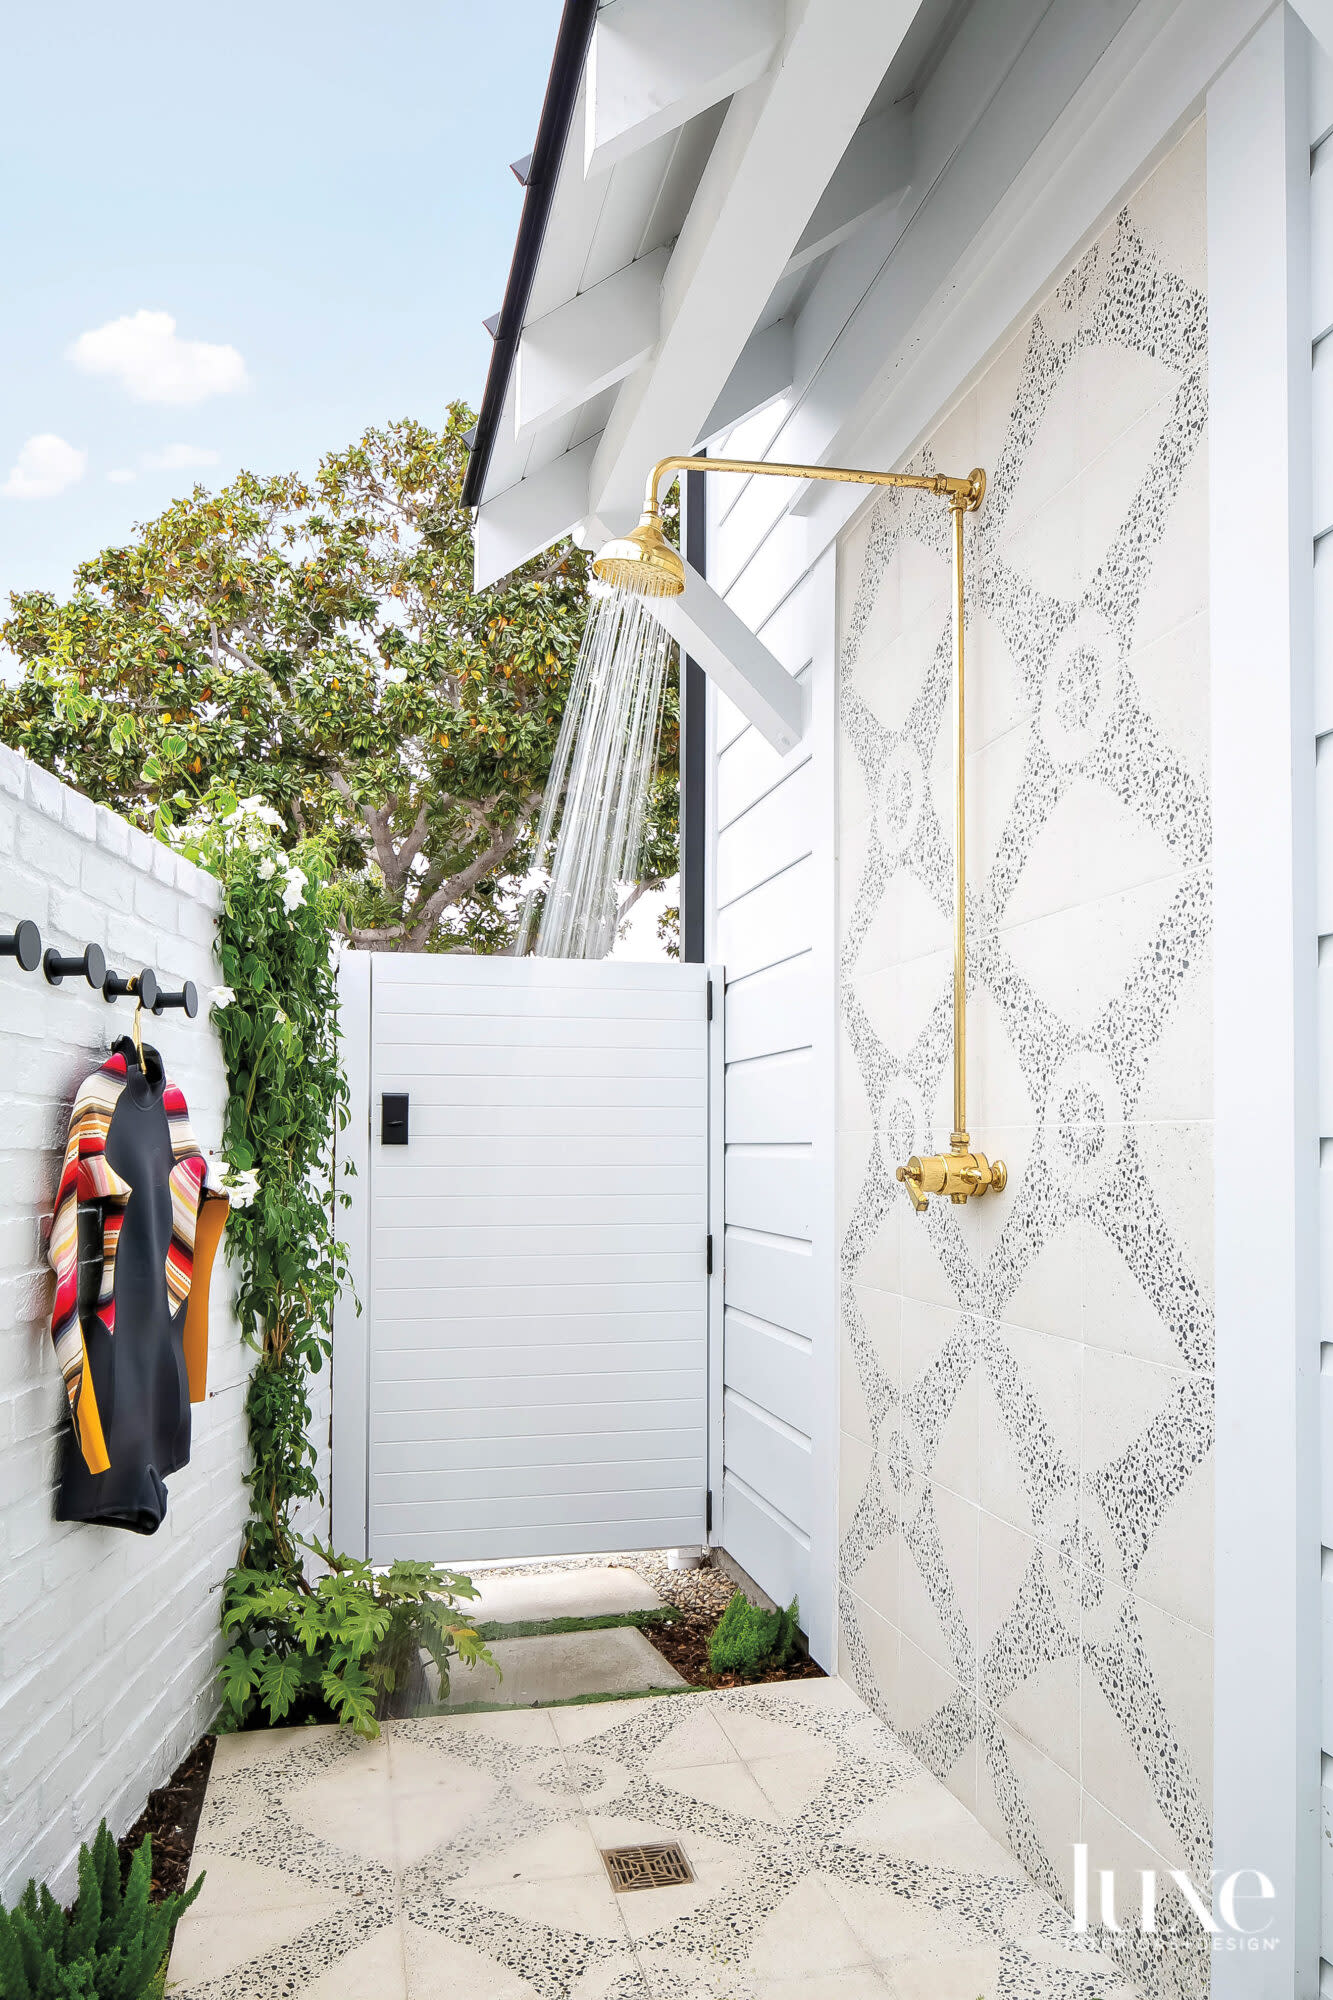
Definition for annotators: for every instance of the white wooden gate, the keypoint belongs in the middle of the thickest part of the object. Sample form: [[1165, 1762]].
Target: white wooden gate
[[529, 1375]]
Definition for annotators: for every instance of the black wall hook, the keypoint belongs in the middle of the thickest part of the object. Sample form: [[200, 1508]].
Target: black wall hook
[[24, 943], [90, 963], [187, 998], [141, 986]]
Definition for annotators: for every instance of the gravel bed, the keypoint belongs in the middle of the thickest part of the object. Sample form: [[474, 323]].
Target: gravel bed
[[704, 1589]]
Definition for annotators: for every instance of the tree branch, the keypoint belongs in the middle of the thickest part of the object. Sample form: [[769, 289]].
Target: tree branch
[[411, 847], [426, 913], [251, 666], [639, 889]]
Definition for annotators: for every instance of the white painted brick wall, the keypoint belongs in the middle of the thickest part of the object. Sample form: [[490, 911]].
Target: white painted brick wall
[[108, 1641]]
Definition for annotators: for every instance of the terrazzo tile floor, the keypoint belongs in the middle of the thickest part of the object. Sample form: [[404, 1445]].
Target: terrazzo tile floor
[[460, 1855]]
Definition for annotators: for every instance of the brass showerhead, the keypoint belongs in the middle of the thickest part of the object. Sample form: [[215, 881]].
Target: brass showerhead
[[643, 561]]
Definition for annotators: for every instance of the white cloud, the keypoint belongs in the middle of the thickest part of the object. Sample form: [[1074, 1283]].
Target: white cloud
[[143, 353], [179, 458], [45, 466], [122, 476]]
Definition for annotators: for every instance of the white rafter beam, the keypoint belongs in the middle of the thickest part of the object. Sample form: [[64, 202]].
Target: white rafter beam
[[762, 374], [741, 665], [528, 517], [873, 174], [779, 147], [588, 344], [705, 626], [653, 67]]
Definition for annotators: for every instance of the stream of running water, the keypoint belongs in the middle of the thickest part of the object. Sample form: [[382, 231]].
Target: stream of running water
[[591, 825]]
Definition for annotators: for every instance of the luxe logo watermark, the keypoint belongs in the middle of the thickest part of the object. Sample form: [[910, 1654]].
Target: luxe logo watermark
[[1224, 1917]]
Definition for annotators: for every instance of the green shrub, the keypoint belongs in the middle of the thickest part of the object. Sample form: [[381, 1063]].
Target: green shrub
[[748, 1639], [346, 1648], [113, 1945]]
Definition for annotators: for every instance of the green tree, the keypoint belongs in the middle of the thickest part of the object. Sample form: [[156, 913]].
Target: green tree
[[316, 644]]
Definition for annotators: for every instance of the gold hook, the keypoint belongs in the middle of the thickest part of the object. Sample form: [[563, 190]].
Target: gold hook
[[137, 1031]]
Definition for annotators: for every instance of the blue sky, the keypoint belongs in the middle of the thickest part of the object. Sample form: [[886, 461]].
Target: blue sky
[[318, 197]]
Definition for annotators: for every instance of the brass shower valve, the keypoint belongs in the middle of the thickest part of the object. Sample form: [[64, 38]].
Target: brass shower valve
[[958, 1174]]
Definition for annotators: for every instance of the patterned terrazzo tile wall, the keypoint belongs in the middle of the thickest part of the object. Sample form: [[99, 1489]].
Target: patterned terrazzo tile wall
[[1026, 1401]]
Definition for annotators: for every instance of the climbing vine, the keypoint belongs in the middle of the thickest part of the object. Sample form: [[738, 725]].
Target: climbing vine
[[277, 1015]]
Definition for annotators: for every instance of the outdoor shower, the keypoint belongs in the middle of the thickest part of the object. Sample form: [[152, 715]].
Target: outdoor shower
[[643, 564]]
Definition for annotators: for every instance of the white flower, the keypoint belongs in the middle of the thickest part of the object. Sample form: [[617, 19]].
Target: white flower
[[256, 808], [268, 868], [293, 894], [395, 676], [240, 1185], [221, 996]]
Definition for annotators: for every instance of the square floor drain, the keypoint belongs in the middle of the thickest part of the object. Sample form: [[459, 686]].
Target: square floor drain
[[658, 1866]]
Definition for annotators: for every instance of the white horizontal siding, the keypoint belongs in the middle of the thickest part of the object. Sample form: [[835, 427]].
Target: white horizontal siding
[[766, 838], [398, 1302], [770, 1368], [771, 1277], [405, 1033], [769, 1546], [771, 1456], [749, 769], [1323, 635], [577, 1341], [770, 923], [770, 1099], [771, 1010], [1321, 311], [771, 1188], [1322, 415], [526, 1453], [771, 887]]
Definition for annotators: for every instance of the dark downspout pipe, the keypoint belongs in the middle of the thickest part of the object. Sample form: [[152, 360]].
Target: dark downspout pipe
[[693, 748]]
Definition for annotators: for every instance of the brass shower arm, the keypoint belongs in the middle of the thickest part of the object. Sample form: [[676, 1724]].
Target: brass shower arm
[[643, 562], [967, 492]]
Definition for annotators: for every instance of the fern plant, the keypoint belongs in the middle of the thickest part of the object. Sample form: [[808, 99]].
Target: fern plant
[[345, 1648], [113, 1945], [749, 1640]]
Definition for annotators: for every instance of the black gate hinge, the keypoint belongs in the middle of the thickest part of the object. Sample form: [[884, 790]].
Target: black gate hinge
[[708, 1513], [710, 999], [710, 1256]]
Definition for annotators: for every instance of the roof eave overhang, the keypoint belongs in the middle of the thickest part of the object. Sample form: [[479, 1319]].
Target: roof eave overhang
[[558, 105]]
